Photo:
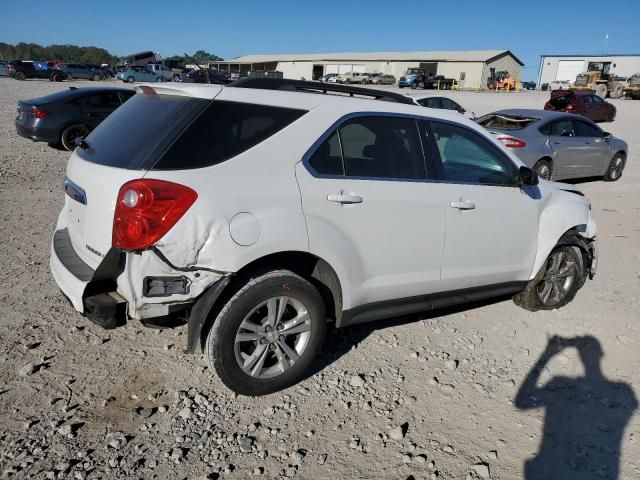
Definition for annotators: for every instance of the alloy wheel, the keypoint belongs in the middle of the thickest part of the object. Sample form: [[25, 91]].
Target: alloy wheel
[[558, 279], [616, 168], [272, 337]]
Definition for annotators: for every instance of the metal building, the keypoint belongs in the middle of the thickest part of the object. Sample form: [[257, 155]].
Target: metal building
[[470, 68], [567, 67]]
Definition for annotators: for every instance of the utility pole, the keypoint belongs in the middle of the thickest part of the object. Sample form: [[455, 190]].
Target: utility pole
[[606, 38]]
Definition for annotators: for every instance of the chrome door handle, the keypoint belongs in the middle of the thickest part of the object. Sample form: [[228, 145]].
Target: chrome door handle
[[344, 199], [463, 205]]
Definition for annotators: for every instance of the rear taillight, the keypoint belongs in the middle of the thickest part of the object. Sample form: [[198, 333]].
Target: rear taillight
[[511, 142], [146, 210], [568, 108], [37, 113]]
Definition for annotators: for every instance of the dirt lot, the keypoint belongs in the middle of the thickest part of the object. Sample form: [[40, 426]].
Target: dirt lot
[[80, 402]]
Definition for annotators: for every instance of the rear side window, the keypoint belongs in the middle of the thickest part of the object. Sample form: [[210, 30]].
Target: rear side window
[[103, 100], [327, 159], [382, 147], [224, 130], [136, 134]]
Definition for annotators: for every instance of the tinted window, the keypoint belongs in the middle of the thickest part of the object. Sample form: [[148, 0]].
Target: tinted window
[[596, 99], [584, 129], [134, 135], [126, 95], [587, 100], [469, 158], [449, 104], [103, 100], [382, 147], [432, 102], [562, 128], [327, 159], [224, 130]]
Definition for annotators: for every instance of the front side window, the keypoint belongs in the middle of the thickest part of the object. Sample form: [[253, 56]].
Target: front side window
[[468, 158], [450, 104], [382, 147], [584, 129]]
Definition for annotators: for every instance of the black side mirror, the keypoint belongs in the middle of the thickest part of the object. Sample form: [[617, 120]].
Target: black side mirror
[[527, 177], [606, 135]]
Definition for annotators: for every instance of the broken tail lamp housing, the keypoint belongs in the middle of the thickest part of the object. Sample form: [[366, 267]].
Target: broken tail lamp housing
[[164, 286]]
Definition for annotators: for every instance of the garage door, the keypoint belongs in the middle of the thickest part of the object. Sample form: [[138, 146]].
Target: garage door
[[344, 68], [568, 69], [331, 69]]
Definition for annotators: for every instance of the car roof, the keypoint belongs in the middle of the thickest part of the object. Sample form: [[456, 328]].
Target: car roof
[[73, 92], [532, 112], [342, 104]]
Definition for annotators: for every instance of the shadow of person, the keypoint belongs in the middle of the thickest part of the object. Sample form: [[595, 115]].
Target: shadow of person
[[585, 417]]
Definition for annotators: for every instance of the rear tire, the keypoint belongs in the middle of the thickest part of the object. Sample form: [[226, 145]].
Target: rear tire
[[69, 135], [616, 166], [544, 169], [248, 354], [96, 77], [616, 92], [557, 282], [414, 85], [57, 77]]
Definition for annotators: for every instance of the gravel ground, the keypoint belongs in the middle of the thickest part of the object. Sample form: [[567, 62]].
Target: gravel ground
[[424, 397]]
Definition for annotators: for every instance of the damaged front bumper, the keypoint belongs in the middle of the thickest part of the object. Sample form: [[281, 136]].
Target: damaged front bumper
[[126, 285]]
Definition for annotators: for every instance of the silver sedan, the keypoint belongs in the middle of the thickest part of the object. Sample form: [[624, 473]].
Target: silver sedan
[[558, 145]]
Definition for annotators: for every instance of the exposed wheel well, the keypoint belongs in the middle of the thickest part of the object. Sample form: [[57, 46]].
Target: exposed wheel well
[[312, 268], [574, 238]]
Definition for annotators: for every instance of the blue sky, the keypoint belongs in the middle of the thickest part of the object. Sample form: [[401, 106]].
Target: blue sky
[[231, 28]]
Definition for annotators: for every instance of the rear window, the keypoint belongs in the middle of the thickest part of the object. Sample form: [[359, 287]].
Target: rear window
[[224, 130], [134, 135], [505, 122]]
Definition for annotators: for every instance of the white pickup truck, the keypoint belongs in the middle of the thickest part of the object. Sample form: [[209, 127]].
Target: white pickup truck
[[162, 71]]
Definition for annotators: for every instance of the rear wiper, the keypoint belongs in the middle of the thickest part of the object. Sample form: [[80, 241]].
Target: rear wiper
[[82, 143]]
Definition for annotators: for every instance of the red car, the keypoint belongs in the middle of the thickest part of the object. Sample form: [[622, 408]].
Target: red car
[[586, 104]]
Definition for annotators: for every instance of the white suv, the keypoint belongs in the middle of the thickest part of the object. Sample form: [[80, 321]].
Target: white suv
[[258, 214]]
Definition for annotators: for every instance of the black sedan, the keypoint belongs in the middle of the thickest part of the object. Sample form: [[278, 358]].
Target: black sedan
[[60, 118]]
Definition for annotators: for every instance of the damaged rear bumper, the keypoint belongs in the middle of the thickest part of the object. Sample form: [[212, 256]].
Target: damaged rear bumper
[[126, 285]]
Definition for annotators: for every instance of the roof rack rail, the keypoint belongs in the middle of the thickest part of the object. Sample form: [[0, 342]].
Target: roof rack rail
[[317, 87]]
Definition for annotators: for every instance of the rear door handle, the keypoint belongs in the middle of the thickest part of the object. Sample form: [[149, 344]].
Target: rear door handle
[[344, 198], [463, 205]]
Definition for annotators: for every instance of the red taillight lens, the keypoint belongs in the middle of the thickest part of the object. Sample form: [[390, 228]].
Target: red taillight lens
[[37, 113], [511, 142], [146, 210], [568, 107]]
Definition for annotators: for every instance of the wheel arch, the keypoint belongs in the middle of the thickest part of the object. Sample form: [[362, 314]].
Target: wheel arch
[[562, 218], [311, 267]]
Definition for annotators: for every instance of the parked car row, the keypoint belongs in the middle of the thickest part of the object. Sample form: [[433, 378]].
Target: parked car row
[[359, 78], [53, 71]]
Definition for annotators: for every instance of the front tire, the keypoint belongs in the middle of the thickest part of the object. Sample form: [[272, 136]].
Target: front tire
[[130, 79], [268, 334], [96, 77], [20, 76], [616, 166], [557, 282]]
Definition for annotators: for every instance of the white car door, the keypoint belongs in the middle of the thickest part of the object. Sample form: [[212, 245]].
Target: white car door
[[370, 211], [491, 223]]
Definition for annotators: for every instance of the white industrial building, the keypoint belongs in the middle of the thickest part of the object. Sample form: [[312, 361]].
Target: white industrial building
[[471, 69], [567, 67]]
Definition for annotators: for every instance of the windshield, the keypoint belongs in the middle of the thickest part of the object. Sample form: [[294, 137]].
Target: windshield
[[582, 80], [506, 122], [635, 80]]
